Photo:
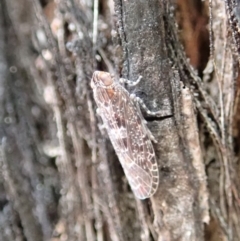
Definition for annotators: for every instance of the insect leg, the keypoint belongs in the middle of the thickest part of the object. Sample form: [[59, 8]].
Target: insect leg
[[144, 125], [150, 135], [101, 126], [129, 82], [98, 111], [161, 113]]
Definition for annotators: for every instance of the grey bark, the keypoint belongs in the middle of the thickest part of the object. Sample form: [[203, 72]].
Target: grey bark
[[60, 178]]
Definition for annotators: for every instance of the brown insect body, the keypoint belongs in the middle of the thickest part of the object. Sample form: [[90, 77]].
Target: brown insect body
[[128, 133]]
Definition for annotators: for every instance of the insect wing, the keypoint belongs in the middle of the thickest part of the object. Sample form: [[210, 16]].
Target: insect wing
[[128, 134]]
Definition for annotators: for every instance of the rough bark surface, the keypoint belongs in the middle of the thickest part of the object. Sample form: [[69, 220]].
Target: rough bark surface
[[60, 178]]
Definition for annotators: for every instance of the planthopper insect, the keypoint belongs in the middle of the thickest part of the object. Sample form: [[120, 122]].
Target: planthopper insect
[[128, 133]]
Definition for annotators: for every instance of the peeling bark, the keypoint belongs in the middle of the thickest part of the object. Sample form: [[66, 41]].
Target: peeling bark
[[60, 178]]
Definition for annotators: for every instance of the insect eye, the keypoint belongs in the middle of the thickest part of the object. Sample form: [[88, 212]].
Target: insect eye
[[105, 78]]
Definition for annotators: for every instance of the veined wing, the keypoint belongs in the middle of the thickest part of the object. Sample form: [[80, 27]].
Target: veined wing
[[128, 134]]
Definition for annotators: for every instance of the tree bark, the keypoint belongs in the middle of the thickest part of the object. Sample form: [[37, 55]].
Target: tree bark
[[60, 178]]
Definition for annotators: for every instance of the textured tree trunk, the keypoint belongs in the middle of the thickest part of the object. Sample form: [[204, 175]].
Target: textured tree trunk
[[60, 178]]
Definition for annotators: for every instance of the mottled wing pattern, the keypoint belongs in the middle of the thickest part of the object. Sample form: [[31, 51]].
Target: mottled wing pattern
[[129, 136]]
